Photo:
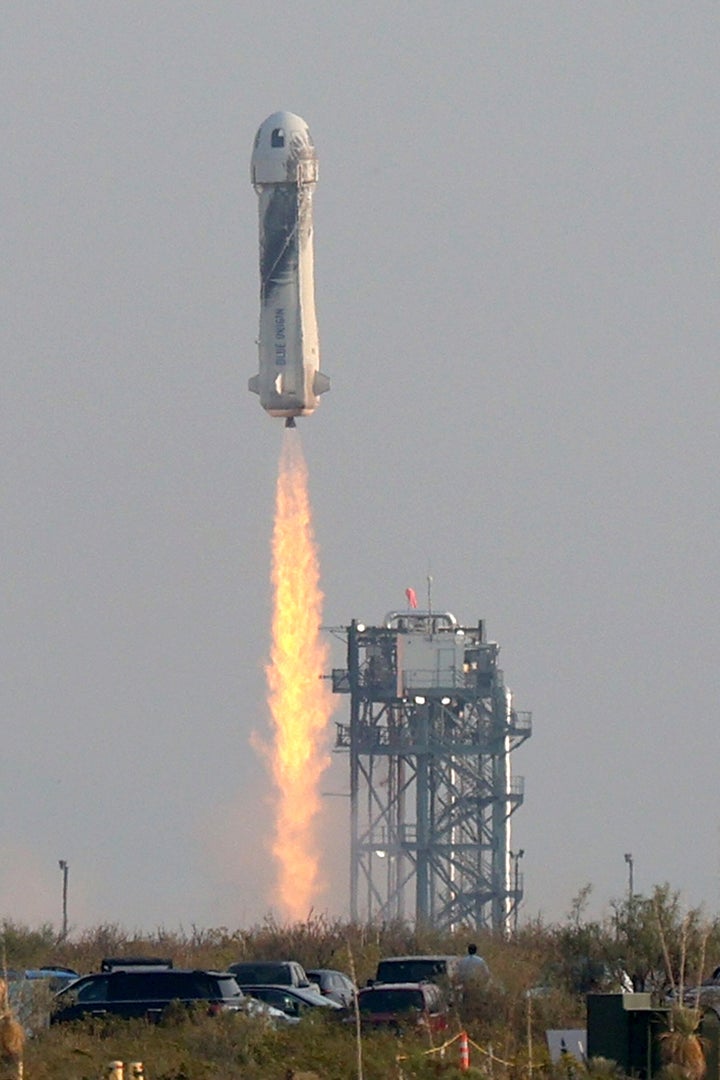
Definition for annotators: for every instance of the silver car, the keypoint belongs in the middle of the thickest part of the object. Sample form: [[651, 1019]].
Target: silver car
[[334, 985], [294, 1001]]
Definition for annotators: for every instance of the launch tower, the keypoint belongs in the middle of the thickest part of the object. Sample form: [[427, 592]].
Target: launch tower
[[432, 727]]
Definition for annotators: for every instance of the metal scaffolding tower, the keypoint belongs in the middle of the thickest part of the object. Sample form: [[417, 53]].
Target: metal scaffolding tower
[[431, 730]]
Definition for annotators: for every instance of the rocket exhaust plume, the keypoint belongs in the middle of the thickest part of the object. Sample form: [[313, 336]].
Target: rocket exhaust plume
[[300, 703]]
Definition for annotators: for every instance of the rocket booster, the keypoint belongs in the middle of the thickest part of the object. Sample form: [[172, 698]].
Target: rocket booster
[[284, 172]]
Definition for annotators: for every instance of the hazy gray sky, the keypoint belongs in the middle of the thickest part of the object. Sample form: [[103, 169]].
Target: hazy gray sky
[[517, 288]]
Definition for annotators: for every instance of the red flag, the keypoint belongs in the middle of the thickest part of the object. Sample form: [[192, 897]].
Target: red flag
[[411, 597]]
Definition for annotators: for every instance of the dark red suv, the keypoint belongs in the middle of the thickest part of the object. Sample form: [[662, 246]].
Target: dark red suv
[[404, 1006]]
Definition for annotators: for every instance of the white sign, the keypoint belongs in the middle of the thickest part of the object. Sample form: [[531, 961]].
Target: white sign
[[572, 1041]]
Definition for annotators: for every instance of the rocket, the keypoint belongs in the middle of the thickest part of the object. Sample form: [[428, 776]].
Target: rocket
[[284, 171]]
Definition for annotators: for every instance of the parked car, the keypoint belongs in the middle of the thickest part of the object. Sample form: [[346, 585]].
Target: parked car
[[275, 972], [295, 1001], [260, 1010], [334, 985], [415, 969], [31, 993], [404, 1006], [706, 995], [56, 978], [145, 994]]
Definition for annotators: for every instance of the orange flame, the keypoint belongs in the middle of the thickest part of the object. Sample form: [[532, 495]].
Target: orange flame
[[300, 703]]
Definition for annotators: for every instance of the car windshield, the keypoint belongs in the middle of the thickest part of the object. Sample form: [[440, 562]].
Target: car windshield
[[410, 970], [304, 993], [262, 973], [382, 1001], [279, 999], [161, 986], [92, 989], [298, 997]]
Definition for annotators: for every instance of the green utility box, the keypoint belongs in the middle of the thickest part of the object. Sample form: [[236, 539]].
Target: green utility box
[[625, 1029]]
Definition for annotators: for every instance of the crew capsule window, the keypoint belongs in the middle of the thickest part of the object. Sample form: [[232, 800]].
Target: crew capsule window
[[277, 139]]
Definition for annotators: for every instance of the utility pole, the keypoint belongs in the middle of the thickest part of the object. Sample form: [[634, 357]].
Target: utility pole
[[64, 868], [516, 857], [631, 886]]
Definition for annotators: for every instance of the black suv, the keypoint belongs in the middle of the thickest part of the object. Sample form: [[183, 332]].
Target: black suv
[[145, 994]]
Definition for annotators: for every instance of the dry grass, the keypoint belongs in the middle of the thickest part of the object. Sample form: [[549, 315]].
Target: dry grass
[[12, 1036]]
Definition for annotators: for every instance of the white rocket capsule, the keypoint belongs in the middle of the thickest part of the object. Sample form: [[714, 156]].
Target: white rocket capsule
[[284, 172]]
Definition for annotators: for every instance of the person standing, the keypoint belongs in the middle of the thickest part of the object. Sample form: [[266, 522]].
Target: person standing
[[472, 968]]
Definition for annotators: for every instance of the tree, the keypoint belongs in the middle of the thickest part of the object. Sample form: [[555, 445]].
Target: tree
[[659, 945]]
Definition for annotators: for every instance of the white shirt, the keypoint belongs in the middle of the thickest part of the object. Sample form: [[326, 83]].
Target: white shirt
[[472, 968]]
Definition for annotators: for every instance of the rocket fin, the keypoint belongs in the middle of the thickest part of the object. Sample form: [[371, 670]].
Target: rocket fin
[[321, 383], [254, 384]]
